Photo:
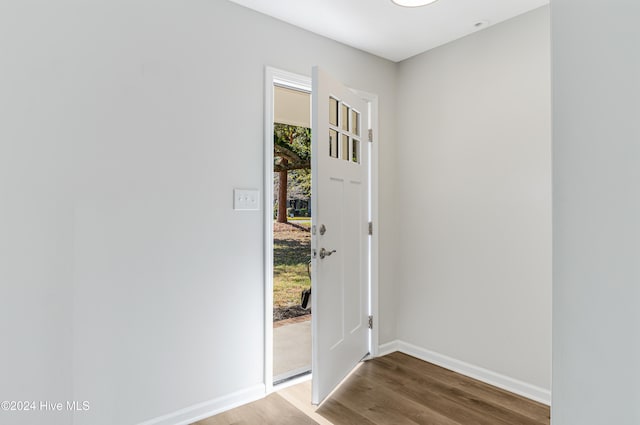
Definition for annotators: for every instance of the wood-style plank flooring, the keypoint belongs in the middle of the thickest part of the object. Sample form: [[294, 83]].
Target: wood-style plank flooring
[[271, 410], [395, 390]]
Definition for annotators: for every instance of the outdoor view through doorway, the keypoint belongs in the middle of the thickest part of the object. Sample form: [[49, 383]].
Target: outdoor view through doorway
[[291, 233]]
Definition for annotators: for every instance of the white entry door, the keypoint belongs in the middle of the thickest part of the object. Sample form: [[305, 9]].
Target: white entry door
[[339, 241]]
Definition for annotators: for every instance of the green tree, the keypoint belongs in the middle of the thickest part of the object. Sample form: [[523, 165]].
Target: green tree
[[292, 153]]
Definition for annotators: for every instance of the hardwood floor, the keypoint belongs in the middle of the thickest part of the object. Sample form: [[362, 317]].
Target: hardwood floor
[[396, 390], [272, 410], [400, 389]]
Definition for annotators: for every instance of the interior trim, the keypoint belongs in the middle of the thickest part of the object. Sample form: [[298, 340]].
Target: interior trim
[[513, 385], [209, 408]]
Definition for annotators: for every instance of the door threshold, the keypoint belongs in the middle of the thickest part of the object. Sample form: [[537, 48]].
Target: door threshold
[[294, 379]]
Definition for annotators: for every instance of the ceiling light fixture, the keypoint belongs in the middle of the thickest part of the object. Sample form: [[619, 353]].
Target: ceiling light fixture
[[413, 3]]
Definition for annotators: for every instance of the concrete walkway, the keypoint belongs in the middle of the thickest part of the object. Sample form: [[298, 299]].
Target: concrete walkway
[[292, 349]]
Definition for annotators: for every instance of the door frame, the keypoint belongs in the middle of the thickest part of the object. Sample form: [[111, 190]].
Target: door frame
[[301, 82]]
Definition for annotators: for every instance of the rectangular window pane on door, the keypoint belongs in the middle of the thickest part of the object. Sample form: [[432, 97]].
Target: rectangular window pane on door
[[345, 117], [333, 143], [345, 147], [355, 151], [333, 111], [355, 122]]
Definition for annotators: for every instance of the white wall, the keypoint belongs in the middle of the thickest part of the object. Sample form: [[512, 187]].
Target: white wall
[[35, 211], [131, 283], [596, 246], [474, 184], [168, 278]]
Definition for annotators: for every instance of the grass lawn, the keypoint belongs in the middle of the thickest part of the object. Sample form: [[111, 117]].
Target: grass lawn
[[291, 253], [301, 221]]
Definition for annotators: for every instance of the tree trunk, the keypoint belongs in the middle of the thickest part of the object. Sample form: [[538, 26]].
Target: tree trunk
[[282, 195]]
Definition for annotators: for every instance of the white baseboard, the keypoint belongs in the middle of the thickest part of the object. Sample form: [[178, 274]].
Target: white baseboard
[[388, 348], [203, 410], [209, 408], [515, 386]]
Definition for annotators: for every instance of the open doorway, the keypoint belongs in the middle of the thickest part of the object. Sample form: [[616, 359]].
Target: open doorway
[[296, 84], [291, 233]]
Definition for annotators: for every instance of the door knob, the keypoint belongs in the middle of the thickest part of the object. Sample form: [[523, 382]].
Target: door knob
[[325, 253]]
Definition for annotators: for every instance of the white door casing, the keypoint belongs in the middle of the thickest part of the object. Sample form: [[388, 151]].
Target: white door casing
[[340, 187]]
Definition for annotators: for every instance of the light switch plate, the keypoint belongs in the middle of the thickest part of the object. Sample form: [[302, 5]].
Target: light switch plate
[[246, 199]]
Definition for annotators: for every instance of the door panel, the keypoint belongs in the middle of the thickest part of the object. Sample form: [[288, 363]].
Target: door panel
[[340, 207]]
